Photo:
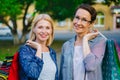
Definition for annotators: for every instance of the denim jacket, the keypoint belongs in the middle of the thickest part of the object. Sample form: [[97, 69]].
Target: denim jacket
[[92, 61], [30, 65]]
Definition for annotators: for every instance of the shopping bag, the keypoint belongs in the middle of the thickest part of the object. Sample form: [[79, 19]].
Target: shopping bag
[[118, 49], [111, 63], [14, 68]]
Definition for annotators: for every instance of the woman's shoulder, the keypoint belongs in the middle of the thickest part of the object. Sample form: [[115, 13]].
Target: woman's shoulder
[[101, 37], [25, 47], [70, 41], [51, 50], [98, 40]]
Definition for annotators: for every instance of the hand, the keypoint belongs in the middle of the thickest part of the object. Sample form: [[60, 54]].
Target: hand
[[86, 38], [33, 44], [91, 35]]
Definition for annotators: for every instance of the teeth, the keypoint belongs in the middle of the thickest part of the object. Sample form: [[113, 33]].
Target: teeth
[[41, 33]]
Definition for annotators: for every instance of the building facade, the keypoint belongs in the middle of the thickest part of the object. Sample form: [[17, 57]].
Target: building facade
[[108, 17]]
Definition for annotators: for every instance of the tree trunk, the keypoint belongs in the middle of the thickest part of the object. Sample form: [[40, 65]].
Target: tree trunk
[[16, 39], [23, 38]]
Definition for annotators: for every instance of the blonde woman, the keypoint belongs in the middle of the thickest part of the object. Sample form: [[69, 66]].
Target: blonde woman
[[37, 60]]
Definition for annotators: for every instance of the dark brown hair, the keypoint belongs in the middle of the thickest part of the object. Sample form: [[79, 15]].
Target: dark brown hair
[[90, 9]]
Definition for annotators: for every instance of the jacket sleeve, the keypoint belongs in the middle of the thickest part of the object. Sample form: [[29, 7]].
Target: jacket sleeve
[[61, 65], [29, 63], [94, 58], [56, 75]]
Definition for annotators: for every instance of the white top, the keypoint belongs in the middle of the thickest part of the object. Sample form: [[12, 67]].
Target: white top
[[78, 65], [49, 69]]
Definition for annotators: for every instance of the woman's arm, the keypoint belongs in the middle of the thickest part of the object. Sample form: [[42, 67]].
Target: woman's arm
[[86, 38], [29, 63], [94, 57]]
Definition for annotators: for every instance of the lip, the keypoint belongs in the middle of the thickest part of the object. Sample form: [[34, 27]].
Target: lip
[[43, 36], [78, 27]]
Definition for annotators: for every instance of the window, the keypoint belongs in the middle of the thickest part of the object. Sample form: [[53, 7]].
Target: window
[[100, 20], [118, 21], [62, 23]]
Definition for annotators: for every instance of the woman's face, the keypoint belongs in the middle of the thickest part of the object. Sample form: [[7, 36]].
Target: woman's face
[[43, 30], [81, 21]]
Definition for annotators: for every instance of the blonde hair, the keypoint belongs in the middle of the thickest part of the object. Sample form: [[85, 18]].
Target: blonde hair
[[36, 20]]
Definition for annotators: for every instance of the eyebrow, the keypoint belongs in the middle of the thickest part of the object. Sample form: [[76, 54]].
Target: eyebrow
[[82, 17]]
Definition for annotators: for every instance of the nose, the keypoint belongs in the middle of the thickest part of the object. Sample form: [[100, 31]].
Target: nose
[[43, 30]]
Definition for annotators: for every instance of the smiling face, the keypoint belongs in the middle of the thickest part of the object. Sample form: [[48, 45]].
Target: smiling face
[[43, 30], [82, 21]]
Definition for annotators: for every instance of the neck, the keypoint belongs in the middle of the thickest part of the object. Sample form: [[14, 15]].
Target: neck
[[79, 38], [78, 41], [42, 43]]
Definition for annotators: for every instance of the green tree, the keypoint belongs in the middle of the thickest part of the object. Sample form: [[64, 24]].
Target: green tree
[[10, 11], [26, 26], [109, 2], [60, 9]]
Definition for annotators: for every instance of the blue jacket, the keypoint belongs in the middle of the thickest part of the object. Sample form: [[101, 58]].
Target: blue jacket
[[30, 65]]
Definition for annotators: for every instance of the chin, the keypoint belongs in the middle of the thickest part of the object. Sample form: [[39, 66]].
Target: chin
[[79, 31], [44, 39]]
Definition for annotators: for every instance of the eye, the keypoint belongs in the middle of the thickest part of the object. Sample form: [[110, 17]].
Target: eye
[[84, 20], [40, 27], [48, 27]]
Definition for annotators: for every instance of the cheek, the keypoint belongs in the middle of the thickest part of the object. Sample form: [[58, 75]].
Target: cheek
[[34, 31], [87, 26], [49, 31]]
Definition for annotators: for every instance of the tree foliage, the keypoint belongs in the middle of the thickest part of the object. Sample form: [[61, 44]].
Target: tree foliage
[[9, 7], [109, 2], [60, 9], [9, 11]]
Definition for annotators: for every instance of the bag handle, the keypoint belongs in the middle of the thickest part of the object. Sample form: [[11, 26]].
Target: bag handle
[[102, 35]]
